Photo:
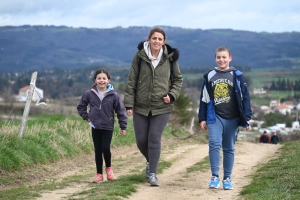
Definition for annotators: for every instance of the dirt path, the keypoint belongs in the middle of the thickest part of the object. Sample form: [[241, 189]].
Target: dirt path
[[175, 182]]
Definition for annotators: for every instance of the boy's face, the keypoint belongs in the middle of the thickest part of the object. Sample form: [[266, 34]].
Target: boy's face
[[223, 59]]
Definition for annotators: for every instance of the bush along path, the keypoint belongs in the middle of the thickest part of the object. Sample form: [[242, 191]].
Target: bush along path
[[183, 174]]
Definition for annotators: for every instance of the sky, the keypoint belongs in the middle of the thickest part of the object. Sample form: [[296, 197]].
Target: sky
[[249, 15]]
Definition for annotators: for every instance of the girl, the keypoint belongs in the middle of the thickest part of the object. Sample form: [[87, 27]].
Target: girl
[[104, 101]]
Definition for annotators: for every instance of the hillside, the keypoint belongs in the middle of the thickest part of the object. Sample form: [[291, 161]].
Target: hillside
[[32, 47]]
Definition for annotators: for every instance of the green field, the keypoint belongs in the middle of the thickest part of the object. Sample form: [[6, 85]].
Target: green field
[[260, 77]]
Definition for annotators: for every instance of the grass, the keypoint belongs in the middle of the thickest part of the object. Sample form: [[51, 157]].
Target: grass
[[50, 138], [202, 166], [278, 179], [47, 139], [110, 190]]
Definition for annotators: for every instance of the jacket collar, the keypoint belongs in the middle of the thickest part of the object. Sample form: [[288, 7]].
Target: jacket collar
[[168, 50]]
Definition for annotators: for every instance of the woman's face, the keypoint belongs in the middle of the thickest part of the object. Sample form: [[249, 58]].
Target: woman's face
[[156, 41]]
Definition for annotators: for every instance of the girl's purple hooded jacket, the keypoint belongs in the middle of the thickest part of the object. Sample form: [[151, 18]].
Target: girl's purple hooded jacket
[[101, 112]]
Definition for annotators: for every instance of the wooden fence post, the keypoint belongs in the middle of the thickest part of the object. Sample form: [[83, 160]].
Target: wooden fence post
[[27, 105]]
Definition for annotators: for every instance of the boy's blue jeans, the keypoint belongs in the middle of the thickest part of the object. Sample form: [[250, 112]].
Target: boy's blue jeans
[[222, 133]]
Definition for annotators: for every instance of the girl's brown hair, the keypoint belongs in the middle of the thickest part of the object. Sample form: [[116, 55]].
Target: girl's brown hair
[[159, 30], [99, 71]]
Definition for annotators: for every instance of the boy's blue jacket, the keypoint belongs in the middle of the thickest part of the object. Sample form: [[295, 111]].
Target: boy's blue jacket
[[101, 112], [207, 106]]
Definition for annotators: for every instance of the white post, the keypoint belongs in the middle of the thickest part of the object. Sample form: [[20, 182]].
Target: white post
[[27, 105]]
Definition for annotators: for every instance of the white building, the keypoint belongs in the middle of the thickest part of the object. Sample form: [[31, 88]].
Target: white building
[[274, 103], [289, 104], [259, 91], [23, 93], [266, 109], [283, 109], [295, 126]]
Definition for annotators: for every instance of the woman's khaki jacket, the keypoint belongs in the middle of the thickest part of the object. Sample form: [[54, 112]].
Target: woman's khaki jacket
[[153, 84]]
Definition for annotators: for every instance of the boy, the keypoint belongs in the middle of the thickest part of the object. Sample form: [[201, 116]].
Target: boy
[[224, 106]]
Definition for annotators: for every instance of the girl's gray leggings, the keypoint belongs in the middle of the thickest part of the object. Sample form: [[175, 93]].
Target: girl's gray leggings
[[148, 131]]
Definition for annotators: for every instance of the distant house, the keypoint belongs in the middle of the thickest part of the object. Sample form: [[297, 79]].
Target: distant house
[[283, 109], [23, 93], [295, 126], [274, 103], [266, 109], [259, 91], [289, 104]]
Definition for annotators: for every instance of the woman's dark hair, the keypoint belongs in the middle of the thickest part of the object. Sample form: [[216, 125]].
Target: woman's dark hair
[[99, 71], [159, 30]]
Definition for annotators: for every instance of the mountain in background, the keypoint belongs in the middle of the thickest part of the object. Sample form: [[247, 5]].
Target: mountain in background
[[33, 47]]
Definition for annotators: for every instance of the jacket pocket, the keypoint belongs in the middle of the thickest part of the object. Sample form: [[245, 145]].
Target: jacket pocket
[[161, 88]]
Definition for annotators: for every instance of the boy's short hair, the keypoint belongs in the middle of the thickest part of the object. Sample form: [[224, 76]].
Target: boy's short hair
[[222, 48]]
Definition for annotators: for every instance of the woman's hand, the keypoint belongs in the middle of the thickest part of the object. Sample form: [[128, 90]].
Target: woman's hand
[[167, 99], [129, 112]]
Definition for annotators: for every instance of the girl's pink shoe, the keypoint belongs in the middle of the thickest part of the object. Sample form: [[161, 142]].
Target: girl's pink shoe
[[98, 178], [110, 173]]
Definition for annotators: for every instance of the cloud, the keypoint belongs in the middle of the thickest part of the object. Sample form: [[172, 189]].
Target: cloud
[[255, 15]]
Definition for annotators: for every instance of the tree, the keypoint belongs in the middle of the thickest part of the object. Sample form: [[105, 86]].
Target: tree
[[182, 113], [273, 118], [273, 85]]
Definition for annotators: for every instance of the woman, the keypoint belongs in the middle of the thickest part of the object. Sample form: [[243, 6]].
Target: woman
[[149, 95]]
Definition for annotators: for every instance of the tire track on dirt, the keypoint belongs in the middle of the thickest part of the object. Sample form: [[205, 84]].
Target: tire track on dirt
[[176, 184], [132, 159]]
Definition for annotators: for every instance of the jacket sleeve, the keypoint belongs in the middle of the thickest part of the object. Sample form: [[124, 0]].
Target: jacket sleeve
[[203, 103], [82, 106], [260, 137], [129, 93], [121, 112], [246, 99], [177, 81]]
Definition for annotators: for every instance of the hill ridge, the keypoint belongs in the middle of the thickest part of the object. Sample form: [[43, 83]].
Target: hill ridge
[[32, 47]]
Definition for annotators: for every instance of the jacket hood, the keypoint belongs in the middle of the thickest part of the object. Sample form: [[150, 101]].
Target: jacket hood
[[109, 87], [170, 50]]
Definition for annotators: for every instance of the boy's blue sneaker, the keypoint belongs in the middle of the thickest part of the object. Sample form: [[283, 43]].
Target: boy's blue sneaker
[[227, 185], [214, 182]]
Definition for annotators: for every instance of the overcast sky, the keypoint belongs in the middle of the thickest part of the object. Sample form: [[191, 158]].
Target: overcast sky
[[250, 15]]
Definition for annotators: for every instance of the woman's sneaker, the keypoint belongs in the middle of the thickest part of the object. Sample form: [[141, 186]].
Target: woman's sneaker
[[214, 182], [227, 185], [98, 178], [153, 180], [109, 173], [147, 170]]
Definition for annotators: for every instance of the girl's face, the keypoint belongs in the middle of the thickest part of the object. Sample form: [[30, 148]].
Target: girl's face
[[102, 81], [156, 41], [223, 59]]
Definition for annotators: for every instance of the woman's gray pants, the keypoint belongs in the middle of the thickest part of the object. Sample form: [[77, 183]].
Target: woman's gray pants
[[148, 131]]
